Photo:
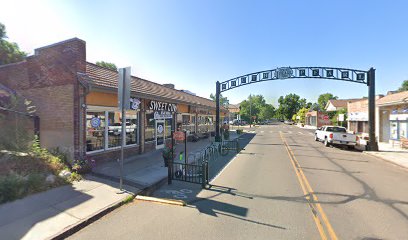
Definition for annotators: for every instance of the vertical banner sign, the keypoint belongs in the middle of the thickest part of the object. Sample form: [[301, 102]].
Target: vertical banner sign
[[123, 100], [124, 88]]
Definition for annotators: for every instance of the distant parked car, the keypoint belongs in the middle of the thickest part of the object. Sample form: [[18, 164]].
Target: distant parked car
[[237, 122], [288, 122]]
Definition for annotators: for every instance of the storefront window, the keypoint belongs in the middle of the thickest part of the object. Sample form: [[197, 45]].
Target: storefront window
[[114, 129], [149, 126], [205, 124], [168, 124], [132, 127], [394, 130], [188, 123], [402, 130], [98, 127], [95, 131]]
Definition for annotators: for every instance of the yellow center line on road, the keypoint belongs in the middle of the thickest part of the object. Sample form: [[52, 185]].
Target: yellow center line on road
[[314, 205]]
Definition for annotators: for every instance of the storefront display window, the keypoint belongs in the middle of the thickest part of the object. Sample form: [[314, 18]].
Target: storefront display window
[[168, 124], [188, 123], [104, 129], [394, 130], [205, 124], [132, 124], [402, 130], [149, 126], [114, 129], [95, 131]]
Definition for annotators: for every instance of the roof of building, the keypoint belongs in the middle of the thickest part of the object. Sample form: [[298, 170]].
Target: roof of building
[[341, 103], [233, 105], [104, 77], [401, 97]]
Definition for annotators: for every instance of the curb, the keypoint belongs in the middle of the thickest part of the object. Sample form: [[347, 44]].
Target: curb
[[161, 200], [387, 160], [70, 230]]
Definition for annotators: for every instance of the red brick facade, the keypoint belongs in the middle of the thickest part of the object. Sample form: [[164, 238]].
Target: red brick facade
[[49, 79]]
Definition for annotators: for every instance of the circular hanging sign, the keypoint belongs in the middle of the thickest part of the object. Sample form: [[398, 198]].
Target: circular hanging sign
[[179, 136], [95, 122], [159, 128]]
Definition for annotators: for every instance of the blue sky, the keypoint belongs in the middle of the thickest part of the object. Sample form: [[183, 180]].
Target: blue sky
[[195, 43]]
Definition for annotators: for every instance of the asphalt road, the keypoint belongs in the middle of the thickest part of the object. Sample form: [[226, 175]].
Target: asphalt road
[[284, 185]]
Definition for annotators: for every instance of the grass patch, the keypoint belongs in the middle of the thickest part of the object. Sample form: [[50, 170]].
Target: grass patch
[[128, 199]]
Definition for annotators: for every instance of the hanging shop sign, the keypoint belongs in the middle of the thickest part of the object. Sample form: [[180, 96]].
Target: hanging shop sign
[[134, 103], [162, 106], [179, 136]]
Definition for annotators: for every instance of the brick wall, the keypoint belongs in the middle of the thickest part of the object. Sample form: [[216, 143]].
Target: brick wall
[[49, 79]]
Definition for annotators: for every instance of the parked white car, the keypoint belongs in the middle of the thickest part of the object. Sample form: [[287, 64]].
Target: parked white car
[[116, 128], [335, 135]]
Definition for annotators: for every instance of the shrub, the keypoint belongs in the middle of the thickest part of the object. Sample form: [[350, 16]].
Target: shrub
[[11, 187], [75, 177], [239, 131]]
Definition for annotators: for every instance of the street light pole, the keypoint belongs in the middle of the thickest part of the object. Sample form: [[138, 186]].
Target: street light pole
[[250, 110]]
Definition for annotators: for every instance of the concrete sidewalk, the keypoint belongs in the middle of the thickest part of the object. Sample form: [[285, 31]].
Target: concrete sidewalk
[[147, 169], [48, 214], [391, 154]]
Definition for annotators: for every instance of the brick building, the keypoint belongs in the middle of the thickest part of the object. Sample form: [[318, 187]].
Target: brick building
[[315, 119], [357, 120], [76, 102]]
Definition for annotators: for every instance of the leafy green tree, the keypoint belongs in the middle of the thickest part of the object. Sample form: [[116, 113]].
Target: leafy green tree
[[315, 107], [404, 86], [223, 100], [2, 31], [334, 116], [9, 51], [289, 105], [302, 115], [108, 65], [257, 107], [267, 112], [324, 98]]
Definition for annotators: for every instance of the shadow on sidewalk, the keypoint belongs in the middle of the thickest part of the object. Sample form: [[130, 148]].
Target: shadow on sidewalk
[[34, 215]]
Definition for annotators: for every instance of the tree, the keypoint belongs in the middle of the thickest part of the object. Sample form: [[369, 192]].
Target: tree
[[2, 31], [324, 98], [9, 51], [315, 107], [267, 112], [223, 100], [289, 105], [302, 114], [256, 106], [108, 65], [404, 86]]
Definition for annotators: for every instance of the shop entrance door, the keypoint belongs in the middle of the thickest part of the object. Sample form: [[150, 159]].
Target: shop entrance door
[[159, 134]]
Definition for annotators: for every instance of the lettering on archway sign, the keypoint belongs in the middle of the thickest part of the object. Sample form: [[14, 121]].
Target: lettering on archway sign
[[351, 75]]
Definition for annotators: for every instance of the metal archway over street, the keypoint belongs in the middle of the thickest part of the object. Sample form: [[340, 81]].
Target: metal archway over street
[[329, 73]]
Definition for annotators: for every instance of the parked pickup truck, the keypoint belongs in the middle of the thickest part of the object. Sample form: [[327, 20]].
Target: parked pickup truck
[[334, 135]]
